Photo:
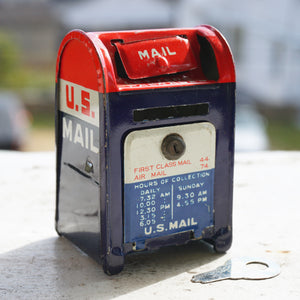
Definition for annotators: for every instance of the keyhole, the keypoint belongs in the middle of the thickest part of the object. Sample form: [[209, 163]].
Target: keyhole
[[173, 146], [176, 150]]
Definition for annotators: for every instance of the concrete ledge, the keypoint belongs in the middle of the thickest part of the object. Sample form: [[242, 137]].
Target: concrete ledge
[[37, 264]]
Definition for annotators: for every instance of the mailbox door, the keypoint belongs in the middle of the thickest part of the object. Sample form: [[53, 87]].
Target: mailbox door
[[168, 181]]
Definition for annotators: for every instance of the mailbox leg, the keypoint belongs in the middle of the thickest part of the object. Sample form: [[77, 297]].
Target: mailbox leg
[[113, 263], [221, 242]]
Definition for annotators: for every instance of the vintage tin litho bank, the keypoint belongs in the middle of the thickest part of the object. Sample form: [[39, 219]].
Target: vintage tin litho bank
[[145, 140]]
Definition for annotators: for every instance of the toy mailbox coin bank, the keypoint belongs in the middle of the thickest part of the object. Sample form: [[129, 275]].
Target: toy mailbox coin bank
[[145, 140]]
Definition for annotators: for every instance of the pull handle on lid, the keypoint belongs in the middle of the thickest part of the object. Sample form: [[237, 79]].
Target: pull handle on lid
[[155, 57]]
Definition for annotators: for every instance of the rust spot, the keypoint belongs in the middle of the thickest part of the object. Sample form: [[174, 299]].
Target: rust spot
[[279, 251]]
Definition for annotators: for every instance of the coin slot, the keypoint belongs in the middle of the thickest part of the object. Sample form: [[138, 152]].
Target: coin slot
[[167, 112]]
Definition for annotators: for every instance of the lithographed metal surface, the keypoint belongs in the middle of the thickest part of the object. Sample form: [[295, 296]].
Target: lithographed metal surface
[[164, 196], [102, 102]]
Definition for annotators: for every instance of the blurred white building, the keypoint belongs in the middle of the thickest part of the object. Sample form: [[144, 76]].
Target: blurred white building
[[264, 34], [265, 39]]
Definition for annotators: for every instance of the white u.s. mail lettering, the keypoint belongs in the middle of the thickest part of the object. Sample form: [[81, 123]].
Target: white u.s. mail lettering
[[83, 104], [79, 134], [164, 51], [183, 223]]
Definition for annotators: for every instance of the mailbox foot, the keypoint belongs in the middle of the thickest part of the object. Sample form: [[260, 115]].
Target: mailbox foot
[[221, 241], [113, 264]]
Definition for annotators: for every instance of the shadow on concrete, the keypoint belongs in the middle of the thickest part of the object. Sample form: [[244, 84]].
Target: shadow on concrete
[[54, 268]]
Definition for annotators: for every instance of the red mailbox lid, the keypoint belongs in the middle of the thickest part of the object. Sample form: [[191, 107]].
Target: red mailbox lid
[[155, 57]]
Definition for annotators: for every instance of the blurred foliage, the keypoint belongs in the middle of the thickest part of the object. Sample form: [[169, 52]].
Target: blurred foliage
[[43, 120], [13, 75], [283, 135], [28, 77], [8, 59]]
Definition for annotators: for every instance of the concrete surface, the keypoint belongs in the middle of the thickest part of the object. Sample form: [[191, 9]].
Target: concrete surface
[[37, 264]]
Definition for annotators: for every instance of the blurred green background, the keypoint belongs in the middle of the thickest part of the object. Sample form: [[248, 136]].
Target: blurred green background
[[34, 85]]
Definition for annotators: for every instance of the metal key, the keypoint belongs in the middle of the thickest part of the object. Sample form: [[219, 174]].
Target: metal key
[[240, 268]]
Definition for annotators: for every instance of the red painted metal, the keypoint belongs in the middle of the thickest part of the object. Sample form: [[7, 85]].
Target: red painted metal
[[100, 48], [157, 57]]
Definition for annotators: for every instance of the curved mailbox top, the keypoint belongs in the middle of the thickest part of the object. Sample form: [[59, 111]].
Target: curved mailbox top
[[145, 59]]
